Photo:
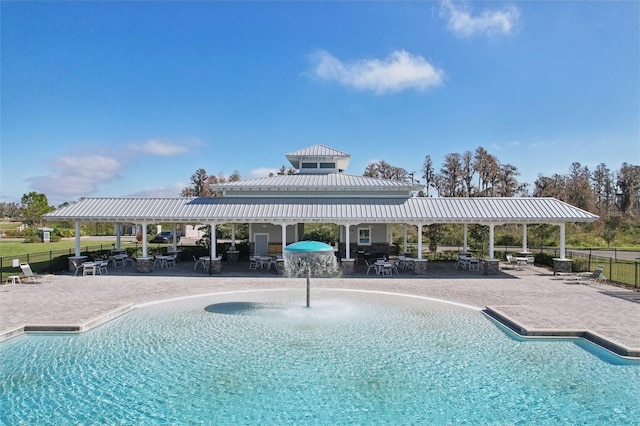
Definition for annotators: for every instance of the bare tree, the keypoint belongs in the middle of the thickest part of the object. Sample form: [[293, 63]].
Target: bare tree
[[384, 170]]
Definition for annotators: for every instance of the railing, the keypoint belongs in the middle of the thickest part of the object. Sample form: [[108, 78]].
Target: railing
[[622, 266], [53, 260]]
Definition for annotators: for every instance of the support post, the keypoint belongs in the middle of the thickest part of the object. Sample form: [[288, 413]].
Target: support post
[[284, 237], [118, 229], [562, 241], [175, 237], [419, 241], [144, 239], [524, 238], [491, 229], [347, 244], [465, 232], [77, 235]]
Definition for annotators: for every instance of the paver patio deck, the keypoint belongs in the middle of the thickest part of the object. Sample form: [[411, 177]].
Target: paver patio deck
[[532, 300]]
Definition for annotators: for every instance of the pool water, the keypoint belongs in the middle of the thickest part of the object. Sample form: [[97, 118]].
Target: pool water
[[353, 358]]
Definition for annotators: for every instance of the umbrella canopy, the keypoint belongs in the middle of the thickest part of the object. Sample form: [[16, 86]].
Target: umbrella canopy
[[308, 247]]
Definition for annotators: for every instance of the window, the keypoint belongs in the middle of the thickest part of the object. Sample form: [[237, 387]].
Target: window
[[364, 236], [327, 165], [309, 165]]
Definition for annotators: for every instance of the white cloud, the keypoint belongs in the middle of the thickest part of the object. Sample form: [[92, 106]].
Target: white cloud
[[168, 191], [76, 176], [399, 71], [489, 22], [262, 172], [159, 148]]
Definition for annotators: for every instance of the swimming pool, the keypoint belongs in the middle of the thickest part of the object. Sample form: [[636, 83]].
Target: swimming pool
[[354, 357]]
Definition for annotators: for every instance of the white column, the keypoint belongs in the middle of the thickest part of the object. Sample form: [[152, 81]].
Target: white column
[[524, 238], [284, 237], [118, 228], [464, 237], [562, 241], [175, 237], [419, 241], [144, 239], [213, 240], [491, 226], [77, 235], [233, 235], [405, 238], [347, 243]]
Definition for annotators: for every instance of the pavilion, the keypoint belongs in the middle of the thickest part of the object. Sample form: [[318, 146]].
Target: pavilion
[[276, 208]]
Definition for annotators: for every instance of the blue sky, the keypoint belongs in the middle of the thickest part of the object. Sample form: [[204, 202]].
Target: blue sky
[[130, 98]]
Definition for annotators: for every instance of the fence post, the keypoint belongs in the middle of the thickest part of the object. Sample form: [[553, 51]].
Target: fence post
[[50, 261], [590, 258], [636, 270], [611, 268]]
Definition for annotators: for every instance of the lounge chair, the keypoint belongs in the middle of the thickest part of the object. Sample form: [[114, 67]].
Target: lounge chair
[[29, 276], [586, 277]]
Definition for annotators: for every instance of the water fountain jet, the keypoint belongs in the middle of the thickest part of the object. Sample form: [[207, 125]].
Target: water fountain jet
[[304, 256]]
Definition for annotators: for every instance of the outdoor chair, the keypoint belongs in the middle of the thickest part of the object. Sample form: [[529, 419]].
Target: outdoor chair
[[370, 266], [171, 261], [587, 277], [102, 267], [77, 267], [88, 268], [512, 262], [197, 262], [253, 262], [29, 275]]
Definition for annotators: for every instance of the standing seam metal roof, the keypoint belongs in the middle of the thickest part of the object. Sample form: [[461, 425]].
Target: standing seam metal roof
[[336, 210]]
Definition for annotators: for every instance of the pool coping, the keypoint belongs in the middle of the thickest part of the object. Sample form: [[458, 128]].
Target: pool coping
[[520, 329], [66, 328]]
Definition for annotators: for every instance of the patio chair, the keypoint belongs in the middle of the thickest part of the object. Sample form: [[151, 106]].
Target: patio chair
[[88, 268], [512, 262], [77, 267], [595, 276], [28, 275], [253, 262], [370, 266], [171, 262], [198, 262], [102, 267]]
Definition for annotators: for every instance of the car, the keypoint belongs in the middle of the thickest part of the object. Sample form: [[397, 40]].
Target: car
[[165, 237]]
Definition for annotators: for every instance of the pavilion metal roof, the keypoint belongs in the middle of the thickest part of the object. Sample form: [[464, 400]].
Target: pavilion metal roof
[[325, 183], [318, 151], [340, 210]]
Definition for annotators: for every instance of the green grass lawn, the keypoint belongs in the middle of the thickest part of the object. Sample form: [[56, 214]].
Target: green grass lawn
[[19, 248]]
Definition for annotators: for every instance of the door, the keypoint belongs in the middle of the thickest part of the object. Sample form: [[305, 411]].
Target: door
[[262, 244]]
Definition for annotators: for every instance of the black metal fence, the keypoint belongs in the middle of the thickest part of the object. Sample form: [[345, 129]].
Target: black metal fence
[[53, 260]]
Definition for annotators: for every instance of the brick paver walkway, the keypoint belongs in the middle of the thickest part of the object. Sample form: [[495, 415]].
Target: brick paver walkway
[[532, 298]]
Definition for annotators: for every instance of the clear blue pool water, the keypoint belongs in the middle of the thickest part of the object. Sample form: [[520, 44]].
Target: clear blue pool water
[[353, 358]]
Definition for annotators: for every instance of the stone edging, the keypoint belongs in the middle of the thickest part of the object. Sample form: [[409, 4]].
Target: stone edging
[[608, 344], [66, 328]]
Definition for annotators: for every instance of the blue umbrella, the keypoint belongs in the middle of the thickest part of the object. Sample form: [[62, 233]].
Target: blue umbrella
[[307, 248]]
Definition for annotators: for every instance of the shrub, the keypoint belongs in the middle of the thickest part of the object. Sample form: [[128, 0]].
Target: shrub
[[32, 239]]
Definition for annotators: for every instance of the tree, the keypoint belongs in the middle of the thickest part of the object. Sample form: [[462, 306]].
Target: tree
[[384, 170], [35, 205], [199, 185], [611, 226], [466, 162], [553, 186], [449, 182], [428, 174], [435, 234], [10, 210], [628, 185], [603, 189], [578, 187]]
